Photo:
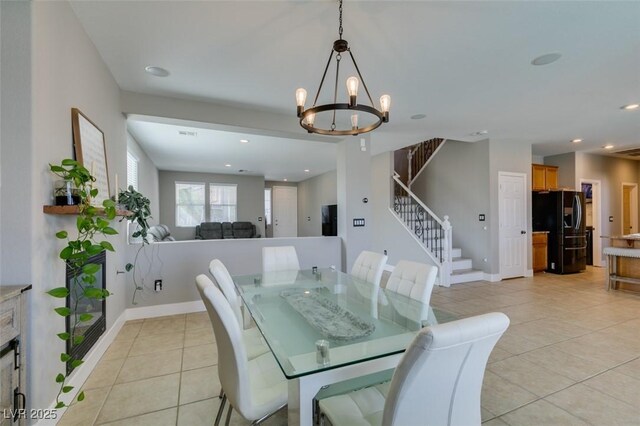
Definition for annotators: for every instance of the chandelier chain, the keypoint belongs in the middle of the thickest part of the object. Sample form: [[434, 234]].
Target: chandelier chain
[[340, 28]]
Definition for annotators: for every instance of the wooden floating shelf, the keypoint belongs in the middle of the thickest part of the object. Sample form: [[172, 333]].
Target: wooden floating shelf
[[74, 210]]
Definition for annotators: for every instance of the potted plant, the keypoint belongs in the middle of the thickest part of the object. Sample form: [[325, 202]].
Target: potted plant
[[139, 212], [91, 226]]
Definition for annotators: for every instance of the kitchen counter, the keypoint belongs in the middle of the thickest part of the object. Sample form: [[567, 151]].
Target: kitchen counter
[[623, 262], [625, 241]]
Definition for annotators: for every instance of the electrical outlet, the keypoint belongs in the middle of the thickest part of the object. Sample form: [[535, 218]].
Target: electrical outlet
[[157, 285]]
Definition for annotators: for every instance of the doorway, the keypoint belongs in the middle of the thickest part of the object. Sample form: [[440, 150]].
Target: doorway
[[285, 211], [512, 217], [593, 214], [629, 208]]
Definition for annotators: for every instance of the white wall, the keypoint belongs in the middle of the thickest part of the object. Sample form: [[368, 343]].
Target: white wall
[[148, 181], [178, 263], [312, 195], [65, 71], [250, 199]]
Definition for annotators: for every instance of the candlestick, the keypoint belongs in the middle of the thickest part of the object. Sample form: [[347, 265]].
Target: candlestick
[[116, 188]]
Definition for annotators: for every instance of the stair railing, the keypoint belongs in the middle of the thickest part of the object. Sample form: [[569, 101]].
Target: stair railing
[[420, 156], [432, 232]]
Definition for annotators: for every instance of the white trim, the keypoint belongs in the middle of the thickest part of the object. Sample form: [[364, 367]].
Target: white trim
[[528, 273], [81, 374], [164, 310], [596, 211], [424, 166], [492, 278], [633, 204]]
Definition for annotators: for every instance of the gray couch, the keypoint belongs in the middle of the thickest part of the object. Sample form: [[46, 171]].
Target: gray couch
[[159, 233], [225, 230]]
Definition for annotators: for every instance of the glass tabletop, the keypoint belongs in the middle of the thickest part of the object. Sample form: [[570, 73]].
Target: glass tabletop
[[318, 320]]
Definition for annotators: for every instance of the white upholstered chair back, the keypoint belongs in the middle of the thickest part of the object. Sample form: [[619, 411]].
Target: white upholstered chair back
[[439, 379], [225, 283], [232, 358], [369, 266], [282, 258], [413, 279]]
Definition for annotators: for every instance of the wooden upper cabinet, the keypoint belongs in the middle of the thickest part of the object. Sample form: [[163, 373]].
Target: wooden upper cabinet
[[544, 178]]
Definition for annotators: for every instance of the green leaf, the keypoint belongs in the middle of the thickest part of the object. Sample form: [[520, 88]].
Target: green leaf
[[60, 404], [59, 378], [108, 203], [66, 253], [64, 336], [94, 192], [107, 245], [81, 396], [109, 231], [76, 341], [90, 268], [63, 312], [69, 162], [56, 169], [94, 249], [105, 293], [67, 389], [76, 363], [89, 279], [128, 267], [59, 292], [64, 357], [85, 317], [93, 293], [110, 213], [62, 235]]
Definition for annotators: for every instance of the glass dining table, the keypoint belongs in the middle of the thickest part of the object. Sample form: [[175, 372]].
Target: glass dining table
[[324, 326]]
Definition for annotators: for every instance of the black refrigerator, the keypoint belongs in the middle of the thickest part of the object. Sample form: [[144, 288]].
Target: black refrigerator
[[562, 213]]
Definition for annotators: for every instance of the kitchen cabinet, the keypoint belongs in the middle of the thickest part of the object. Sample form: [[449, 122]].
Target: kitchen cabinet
[[539, 240], [544, 178]]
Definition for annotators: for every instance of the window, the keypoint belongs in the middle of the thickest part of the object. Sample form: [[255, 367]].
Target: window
[[189, 203], [132, 171], [223, 202], [267, 205]]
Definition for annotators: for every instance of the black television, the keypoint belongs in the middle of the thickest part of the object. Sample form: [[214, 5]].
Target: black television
[[330, 220]]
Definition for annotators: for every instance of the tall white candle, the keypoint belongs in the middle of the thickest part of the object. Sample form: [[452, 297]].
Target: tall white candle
[[117, 188]]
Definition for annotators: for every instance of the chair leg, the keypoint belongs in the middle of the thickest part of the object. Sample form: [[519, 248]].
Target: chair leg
[[220, 410], [228, 415], [221, 393]]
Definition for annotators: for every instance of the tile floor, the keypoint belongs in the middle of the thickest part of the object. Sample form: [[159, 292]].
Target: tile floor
[[570, 357]]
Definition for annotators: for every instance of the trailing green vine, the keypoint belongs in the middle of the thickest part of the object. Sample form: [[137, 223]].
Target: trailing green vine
[[139, 212], [90, 227]]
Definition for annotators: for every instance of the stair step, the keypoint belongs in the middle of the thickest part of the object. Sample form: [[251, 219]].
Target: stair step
[[461, 264], [466, 275]]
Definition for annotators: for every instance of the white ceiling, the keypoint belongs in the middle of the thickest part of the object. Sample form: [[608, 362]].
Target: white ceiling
[[466, 65]]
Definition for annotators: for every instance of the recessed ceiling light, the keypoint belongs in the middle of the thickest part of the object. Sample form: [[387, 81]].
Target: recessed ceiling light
[[546, 59], [157, 71], [285, 179], [306, 170], [227, 165], [244, 140], [630, 106], [608, 146], [418, 116], [576, 140], [479, 133]]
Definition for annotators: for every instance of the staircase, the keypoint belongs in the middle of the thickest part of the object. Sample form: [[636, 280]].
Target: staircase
[[431, 232]]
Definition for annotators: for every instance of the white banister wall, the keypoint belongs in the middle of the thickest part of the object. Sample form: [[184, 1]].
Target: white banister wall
[[177, 263]]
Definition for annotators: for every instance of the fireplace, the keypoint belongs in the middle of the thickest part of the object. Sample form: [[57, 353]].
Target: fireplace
[[92, 329]]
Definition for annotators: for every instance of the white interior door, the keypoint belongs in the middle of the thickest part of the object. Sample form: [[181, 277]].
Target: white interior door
[[629, 208], [285, 211], [512, 210]]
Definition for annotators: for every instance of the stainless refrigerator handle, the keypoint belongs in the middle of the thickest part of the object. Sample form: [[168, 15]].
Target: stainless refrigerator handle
[[575, 248], [579, 212]]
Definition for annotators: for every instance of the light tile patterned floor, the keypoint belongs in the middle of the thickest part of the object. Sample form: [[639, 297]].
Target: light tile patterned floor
[[570, 357]]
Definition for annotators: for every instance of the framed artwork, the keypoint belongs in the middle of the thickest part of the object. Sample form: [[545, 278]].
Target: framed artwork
[[91, 152]]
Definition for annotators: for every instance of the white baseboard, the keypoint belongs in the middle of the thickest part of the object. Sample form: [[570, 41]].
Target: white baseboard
[[528, 273], [81, 374], [164, 310], [493, 278]]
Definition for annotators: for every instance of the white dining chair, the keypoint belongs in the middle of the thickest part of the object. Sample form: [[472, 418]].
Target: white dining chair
[[255, 388], [251, 336], [437, 382], [414, 280], [369, 266], [283, 258]]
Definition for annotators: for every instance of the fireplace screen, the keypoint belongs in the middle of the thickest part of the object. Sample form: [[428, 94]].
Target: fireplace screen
[[92, 329]]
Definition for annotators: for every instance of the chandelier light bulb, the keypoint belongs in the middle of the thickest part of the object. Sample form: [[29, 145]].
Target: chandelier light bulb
[[352, 90], [311, 118], [354, 121], [301, 97], [385, 104]]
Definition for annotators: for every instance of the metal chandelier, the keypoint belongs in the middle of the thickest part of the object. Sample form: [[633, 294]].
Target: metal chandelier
[[308, 119]]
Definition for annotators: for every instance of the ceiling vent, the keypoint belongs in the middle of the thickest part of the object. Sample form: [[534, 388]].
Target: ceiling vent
[[187, 133]]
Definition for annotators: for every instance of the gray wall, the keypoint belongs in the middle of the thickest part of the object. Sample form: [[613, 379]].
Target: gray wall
[[148, 179], [250, 198], [456, 183], [178, 263], [64, 71], [387, 232], [312, 195], [566, 169]]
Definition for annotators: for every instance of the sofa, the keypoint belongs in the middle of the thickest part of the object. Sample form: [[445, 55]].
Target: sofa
[[159, 233], [225, 230]]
